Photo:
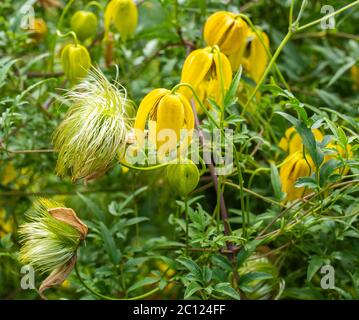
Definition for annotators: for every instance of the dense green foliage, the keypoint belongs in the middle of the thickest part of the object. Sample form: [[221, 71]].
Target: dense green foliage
[[137, 225]]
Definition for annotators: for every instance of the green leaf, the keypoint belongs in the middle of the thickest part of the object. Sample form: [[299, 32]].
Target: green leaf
[[191, 289], [308, 182], [226, 289], [109, 244], [5, 65], [136, 220], [276, 183], [192, 267], [231, 94], [315, 263], [142, 283], [92, 206], [246, 251], [308, 139], [341, 71]]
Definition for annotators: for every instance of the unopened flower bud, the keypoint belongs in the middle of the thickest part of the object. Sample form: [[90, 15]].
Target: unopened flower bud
[[84, 24]]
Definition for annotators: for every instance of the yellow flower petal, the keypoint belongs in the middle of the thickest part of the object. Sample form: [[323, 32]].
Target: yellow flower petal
[[170, 120], [195, 69]]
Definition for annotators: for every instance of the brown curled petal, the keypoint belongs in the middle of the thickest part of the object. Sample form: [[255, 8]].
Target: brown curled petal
[[69, 216], [57, 276]]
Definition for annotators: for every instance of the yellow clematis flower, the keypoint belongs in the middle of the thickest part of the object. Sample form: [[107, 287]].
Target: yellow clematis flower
[[292, 142], [226, 30], [39, 30], [294, 166], [124, 15], [168, 112], [202, 70], [354, 71], [253, 57]]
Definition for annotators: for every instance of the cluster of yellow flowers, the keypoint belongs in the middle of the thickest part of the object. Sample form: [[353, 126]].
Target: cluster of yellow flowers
[[206, 72], [297, 164]]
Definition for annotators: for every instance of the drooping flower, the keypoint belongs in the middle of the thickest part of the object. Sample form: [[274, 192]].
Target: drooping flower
[[84, 24], [206, 70], [291, 142], [253, 56], [183, 177], [294, 166], [76, 62], [50, 239], [299, 164], [95, 128], [38, 30], [227, 30], [123, 14], [168, 113]]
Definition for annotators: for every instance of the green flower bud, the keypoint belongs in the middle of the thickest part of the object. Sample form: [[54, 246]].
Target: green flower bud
[[183, 177], [84, 24], [76, 62], [123, 14]]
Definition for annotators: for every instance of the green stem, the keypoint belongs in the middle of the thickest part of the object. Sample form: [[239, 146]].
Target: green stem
[[58, 27], [269, 54], [65, 35], [269, 67], [310, 24], [145, 168], [95, 4], [187, 85], [291, 13], [186, 217]]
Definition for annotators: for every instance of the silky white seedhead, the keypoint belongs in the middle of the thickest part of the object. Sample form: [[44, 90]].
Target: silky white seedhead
[[94, 130]]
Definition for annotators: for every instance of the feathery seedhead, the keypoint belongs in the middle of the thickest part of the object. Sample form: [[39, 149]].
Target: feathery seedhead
[[51, 235], [49, 240], [94, 130]]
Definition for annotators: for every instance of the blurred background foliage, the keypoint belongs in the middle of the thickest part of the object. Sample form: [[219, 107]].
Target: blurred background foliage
[[137, 231]]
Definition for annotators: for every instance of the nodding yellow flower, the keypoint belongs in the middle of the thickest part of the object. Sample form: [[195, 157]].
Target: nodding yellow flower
[[292, 142], [205, 70], [168, 112], [39, 30], [354, 71], [253, 56], [226, 30], [123, 14], [294, 166], [76, 62]]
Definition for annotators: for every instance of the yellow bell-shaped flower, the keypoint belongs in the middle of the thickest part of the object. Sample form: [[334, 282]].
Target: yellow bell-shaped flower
[[205, 70], [76, 62], [167, 113], [354, 71], [124, 15], [294, 166], [226, 30], [253, 56], [292, 142], [39, 30]]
